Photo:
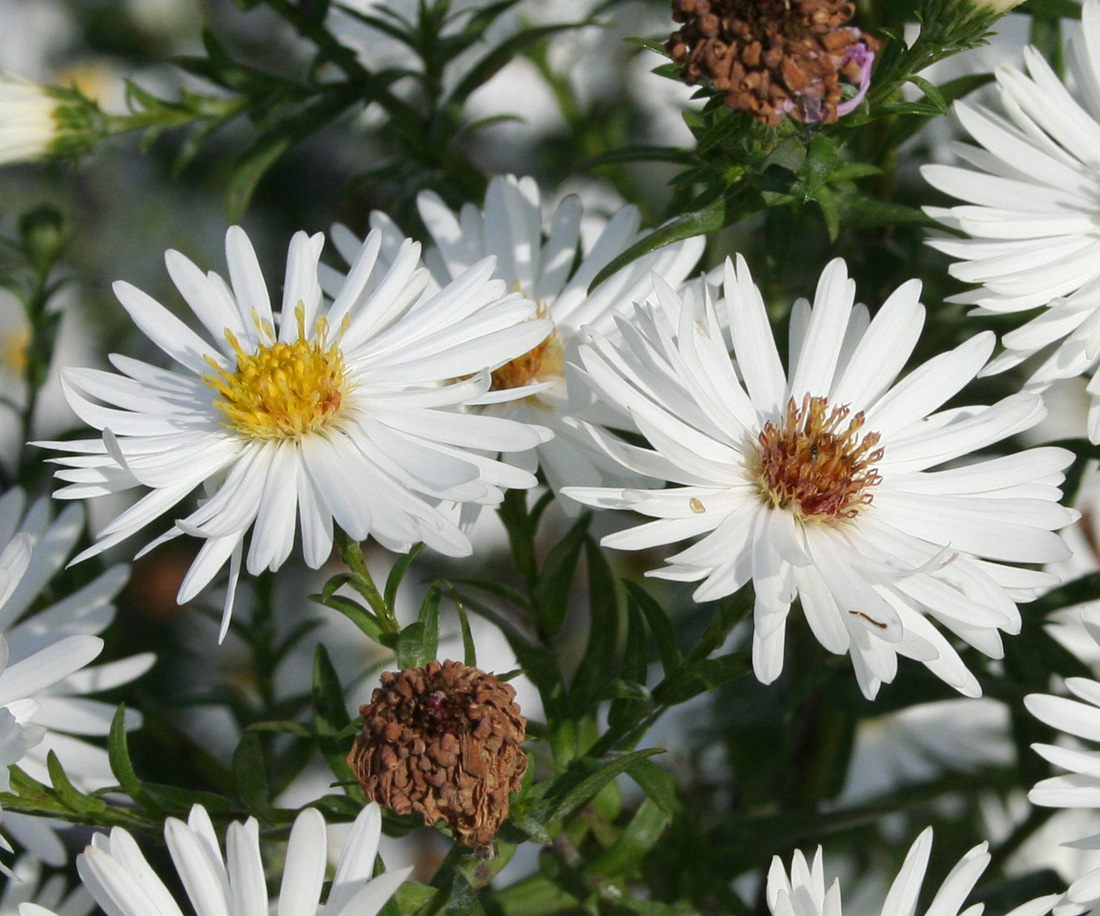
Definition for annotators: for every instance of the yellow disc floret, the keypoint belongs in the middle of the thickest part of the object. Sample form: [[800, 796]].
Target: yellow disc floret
[[283, 390], [544, 363]]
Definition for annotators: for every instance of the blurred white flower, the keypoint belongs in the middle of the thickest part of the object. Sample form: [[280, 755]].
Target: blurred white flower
[[336, 413], [28, 120], [827, 482], [123, 884], [28, 887]]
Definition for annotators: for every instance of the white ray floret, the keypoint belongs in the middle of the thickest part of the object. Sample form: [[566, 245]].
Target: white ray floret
[[328, 413], [802, 892], [123, 883], [829, 480]]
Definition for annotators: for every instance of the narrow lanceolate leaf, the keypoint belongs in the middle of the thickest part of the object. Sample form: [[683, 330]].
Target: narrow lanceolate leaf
[[419, 641], [599, 666], [250, 775], [330, 715], [639, 837], [551, 593], [118, 754], [660, 625], [397, 574], [683, 227], [68, 794]]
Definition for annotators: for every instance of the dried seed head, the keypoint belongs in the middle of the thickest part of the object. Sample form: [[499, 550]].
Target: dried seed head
[[445, 741], [774, 58]]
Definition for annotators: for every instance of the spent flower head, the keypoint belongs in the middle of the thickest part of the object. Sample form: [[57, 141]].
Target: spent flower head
[[775, 58]]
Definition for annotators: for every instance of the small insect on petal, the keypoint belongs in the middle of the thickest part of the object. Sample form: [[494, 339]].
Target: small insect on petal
[[697, 506]]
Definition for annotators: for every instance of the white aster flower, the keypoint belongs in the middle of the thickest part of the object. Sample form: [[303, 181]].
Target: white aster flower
[[803, 892], [1080, 787], [123, 884], [1031, 211], [549, 268], [53, 894], [57, 715], [342, 412], [826, 481]]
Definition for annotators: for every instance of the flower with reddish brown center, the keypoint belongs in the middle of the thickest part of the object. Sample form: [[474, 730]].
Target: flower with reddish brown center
[[446, 742], [774, 58], [814, 468]]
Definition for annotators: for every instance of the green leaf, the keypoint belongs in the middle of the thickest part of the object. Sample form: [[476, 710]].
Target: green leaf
[[271, 145], [821, 160], [658, 784], [498, 589], [598, 666], [575, 790], [68, 794], [469, 651], [694, 678], [355, 612], [1051, 9], [488, 66], [550, 596], [419, 641], [931, 93], [118, 754], [639, 837], [660, 625], [330, 716], [250, 775], [683, 227], [397, 574]]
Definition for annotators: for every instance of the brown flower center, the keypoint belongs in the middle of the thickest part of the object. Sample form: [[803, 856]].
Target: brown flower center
[[817, 464]]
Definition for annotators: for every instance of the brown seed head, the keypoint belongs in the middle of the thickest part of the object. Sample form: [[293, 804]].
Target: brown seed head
[[445, 741], [772, 58]]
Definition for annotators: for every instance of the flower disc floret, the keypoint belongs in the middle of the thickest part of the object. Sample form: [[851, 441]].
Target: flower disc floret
[[815, 467], [283, 390]]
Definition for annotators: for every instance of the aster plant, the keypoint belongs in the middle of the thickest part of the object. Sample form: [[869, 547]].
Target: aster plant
[[456, 461]]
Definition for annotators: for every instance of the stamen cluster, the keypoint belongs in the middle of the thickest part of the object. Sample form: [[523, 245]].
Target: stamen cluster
[[814, 466], [773, 58], [283, 390]]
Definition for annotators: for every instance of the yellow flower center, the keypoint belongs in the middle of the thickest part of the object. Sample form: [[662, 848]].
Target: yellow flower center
[[283, 390], [814, 465], [542, 364]]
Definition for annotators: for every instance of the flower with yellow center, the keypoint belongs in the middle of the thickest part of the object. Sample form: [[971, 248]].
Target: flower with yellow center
[[540, 255], [352, 413], [825, 480]]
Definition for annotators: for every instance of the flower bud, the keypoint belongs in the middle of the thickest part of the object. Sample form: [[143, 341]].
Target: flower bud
[[45, 122], [446, 742]]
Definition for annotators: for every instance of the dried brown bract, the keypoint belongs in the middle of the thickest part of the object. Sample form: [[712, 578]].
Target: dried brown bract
[[774, 58], [445, 741]]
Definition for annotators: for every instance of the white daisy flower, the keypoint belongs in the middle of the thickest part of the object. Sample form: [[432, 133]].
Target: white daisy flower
[[1080, 787], [123, 884], [53, 893], [541, 257], [341, 413], [827, 481], [1031, 211], [44, 660], [803, 893]]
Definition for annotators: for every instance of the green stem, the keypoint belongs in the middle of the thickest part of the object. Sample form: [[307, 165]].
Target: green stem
[[362, 581]]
